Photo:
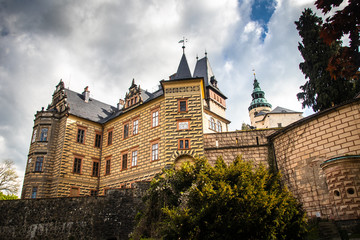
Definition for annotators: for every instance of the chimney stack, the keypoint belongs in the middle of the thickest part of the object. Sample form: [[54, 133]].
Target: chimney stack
[[86, 94], [121, 104]]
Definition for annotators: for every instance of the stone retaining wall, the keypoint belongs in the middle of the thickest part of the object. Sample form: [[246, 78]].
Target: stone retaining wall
[[105, 217]]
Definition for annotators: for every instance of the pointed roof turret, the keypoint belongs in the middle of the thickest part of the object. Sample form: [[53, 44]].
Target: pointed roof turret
[[183, 70], [258, 97], [203, 69]]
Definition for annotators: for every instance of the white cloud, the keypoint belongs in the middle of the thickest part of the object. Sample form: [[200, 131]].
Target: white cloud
[[104, 44]]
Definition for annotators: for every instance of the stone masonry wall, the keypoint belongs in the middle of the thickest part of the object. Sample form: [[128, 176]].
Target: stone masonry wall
[[302, 147], [251, 145], [105, 217]]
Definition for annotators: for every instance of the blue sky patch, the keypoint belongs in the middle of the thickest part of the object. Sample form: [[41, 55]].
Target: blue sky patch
[[261, 12]]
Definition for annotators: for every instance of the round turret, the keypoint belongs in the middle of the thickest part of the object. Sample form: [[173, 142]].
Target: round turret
[[259, 105]]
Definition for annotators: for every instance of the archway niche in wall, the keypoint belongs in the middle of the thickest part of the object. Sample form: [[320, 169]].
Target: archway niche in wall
[[180, 160]]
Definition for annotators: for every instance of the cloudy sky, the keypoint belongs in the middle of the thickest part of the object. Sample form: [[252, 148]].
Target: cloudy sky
[[105, 44]]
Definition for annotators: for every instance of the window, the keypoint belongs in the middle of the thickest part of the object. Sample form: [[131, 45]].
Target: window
[[80, 135], [135, 127], [126, 130], [74, 192], [219, 126], [34, 136], [124, 161], [97, 140], [155, 118], [279, 124], [108, 167], [77, 165], [34, 192], [44, 134], [39, 164], [93, 192], [95, 169], [183, 144], [182, 105], [134, 158], [155, 151], [183, 125], [110, 134], [212, 124]]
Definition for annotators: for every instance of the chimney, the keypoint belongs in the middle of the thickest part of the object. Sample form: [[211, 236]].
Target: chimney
[[121, 103], [86, 94]]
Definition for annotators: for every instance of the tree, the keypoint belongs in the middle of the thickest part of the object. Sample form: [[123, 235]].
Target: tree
[[8, 177], [321, 91], [346, 62], [7, 197], [238, 201]]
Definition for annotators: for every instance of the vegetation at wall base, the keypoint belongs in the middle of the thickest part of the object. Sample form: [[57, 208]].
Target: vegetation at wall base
[[238, 201]]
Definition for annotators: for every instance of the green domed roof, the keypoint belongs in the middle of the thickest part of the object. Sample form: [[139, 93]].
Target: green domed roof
[[258, 97]]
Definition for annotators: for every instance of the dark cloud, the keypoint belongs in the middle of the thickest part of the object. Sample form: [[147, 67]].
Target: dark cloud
[[104, 45]]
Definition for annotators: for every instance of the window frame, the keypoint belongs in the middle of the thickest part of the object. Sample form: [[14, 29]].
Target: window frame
[[81, 128], [96, 192], [98, 140], [134, 156], [34, 192], [219, 126], [135, 127], [124, 166], [183, 141], [110, 135], [155, 123], [212, 124], [42, 135], [34, 136], [107, 166], [155, 157], [98, 168], [77, 168], [126, 128], [186, 105], [40, 163]]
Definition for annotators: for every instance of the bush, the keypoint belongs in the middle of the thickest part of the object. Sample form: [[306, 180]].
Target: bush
[[238, 201]]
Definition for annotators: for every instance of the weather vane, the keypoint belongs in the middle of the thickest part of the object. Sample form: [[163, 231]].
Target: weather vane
[[183, 42], [254, 73]]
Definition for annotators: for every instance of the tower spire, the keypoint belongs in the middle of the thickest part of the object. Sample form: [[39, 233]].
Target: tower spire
[[183, 42]]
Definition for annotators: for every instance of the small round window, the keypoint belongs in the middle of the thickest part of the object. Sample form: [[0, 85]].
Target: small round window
[[350, 191], [337, 193]]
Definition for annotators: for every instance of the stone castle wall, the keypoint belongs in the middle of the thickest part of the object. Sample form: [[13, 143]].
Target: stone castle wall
[[105, 217], [252, 145], [301, 150]]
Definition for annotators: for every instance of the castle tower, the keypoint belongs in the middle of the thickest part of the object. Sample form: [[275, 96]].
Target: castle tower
[[259, 105], [215, 101]]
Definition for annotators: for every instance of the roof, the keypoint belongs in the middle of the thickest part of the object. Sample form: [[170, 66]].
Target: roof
[[92, 110], [146, 97], [183, 69], [203, 69], [312, 117], [283, 110]]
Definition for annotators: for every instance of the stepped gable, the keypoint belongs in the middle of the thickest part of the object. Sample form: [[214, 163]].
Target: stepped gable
[[92, 110]]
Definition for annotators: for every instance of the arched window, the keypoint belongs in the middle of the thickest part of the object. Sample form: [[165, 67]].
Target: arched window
[[219, 126], [212, 124]]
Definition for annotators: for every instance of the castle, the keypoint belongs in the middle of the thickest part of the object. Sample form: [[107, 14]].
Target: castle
[[83, 147]]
